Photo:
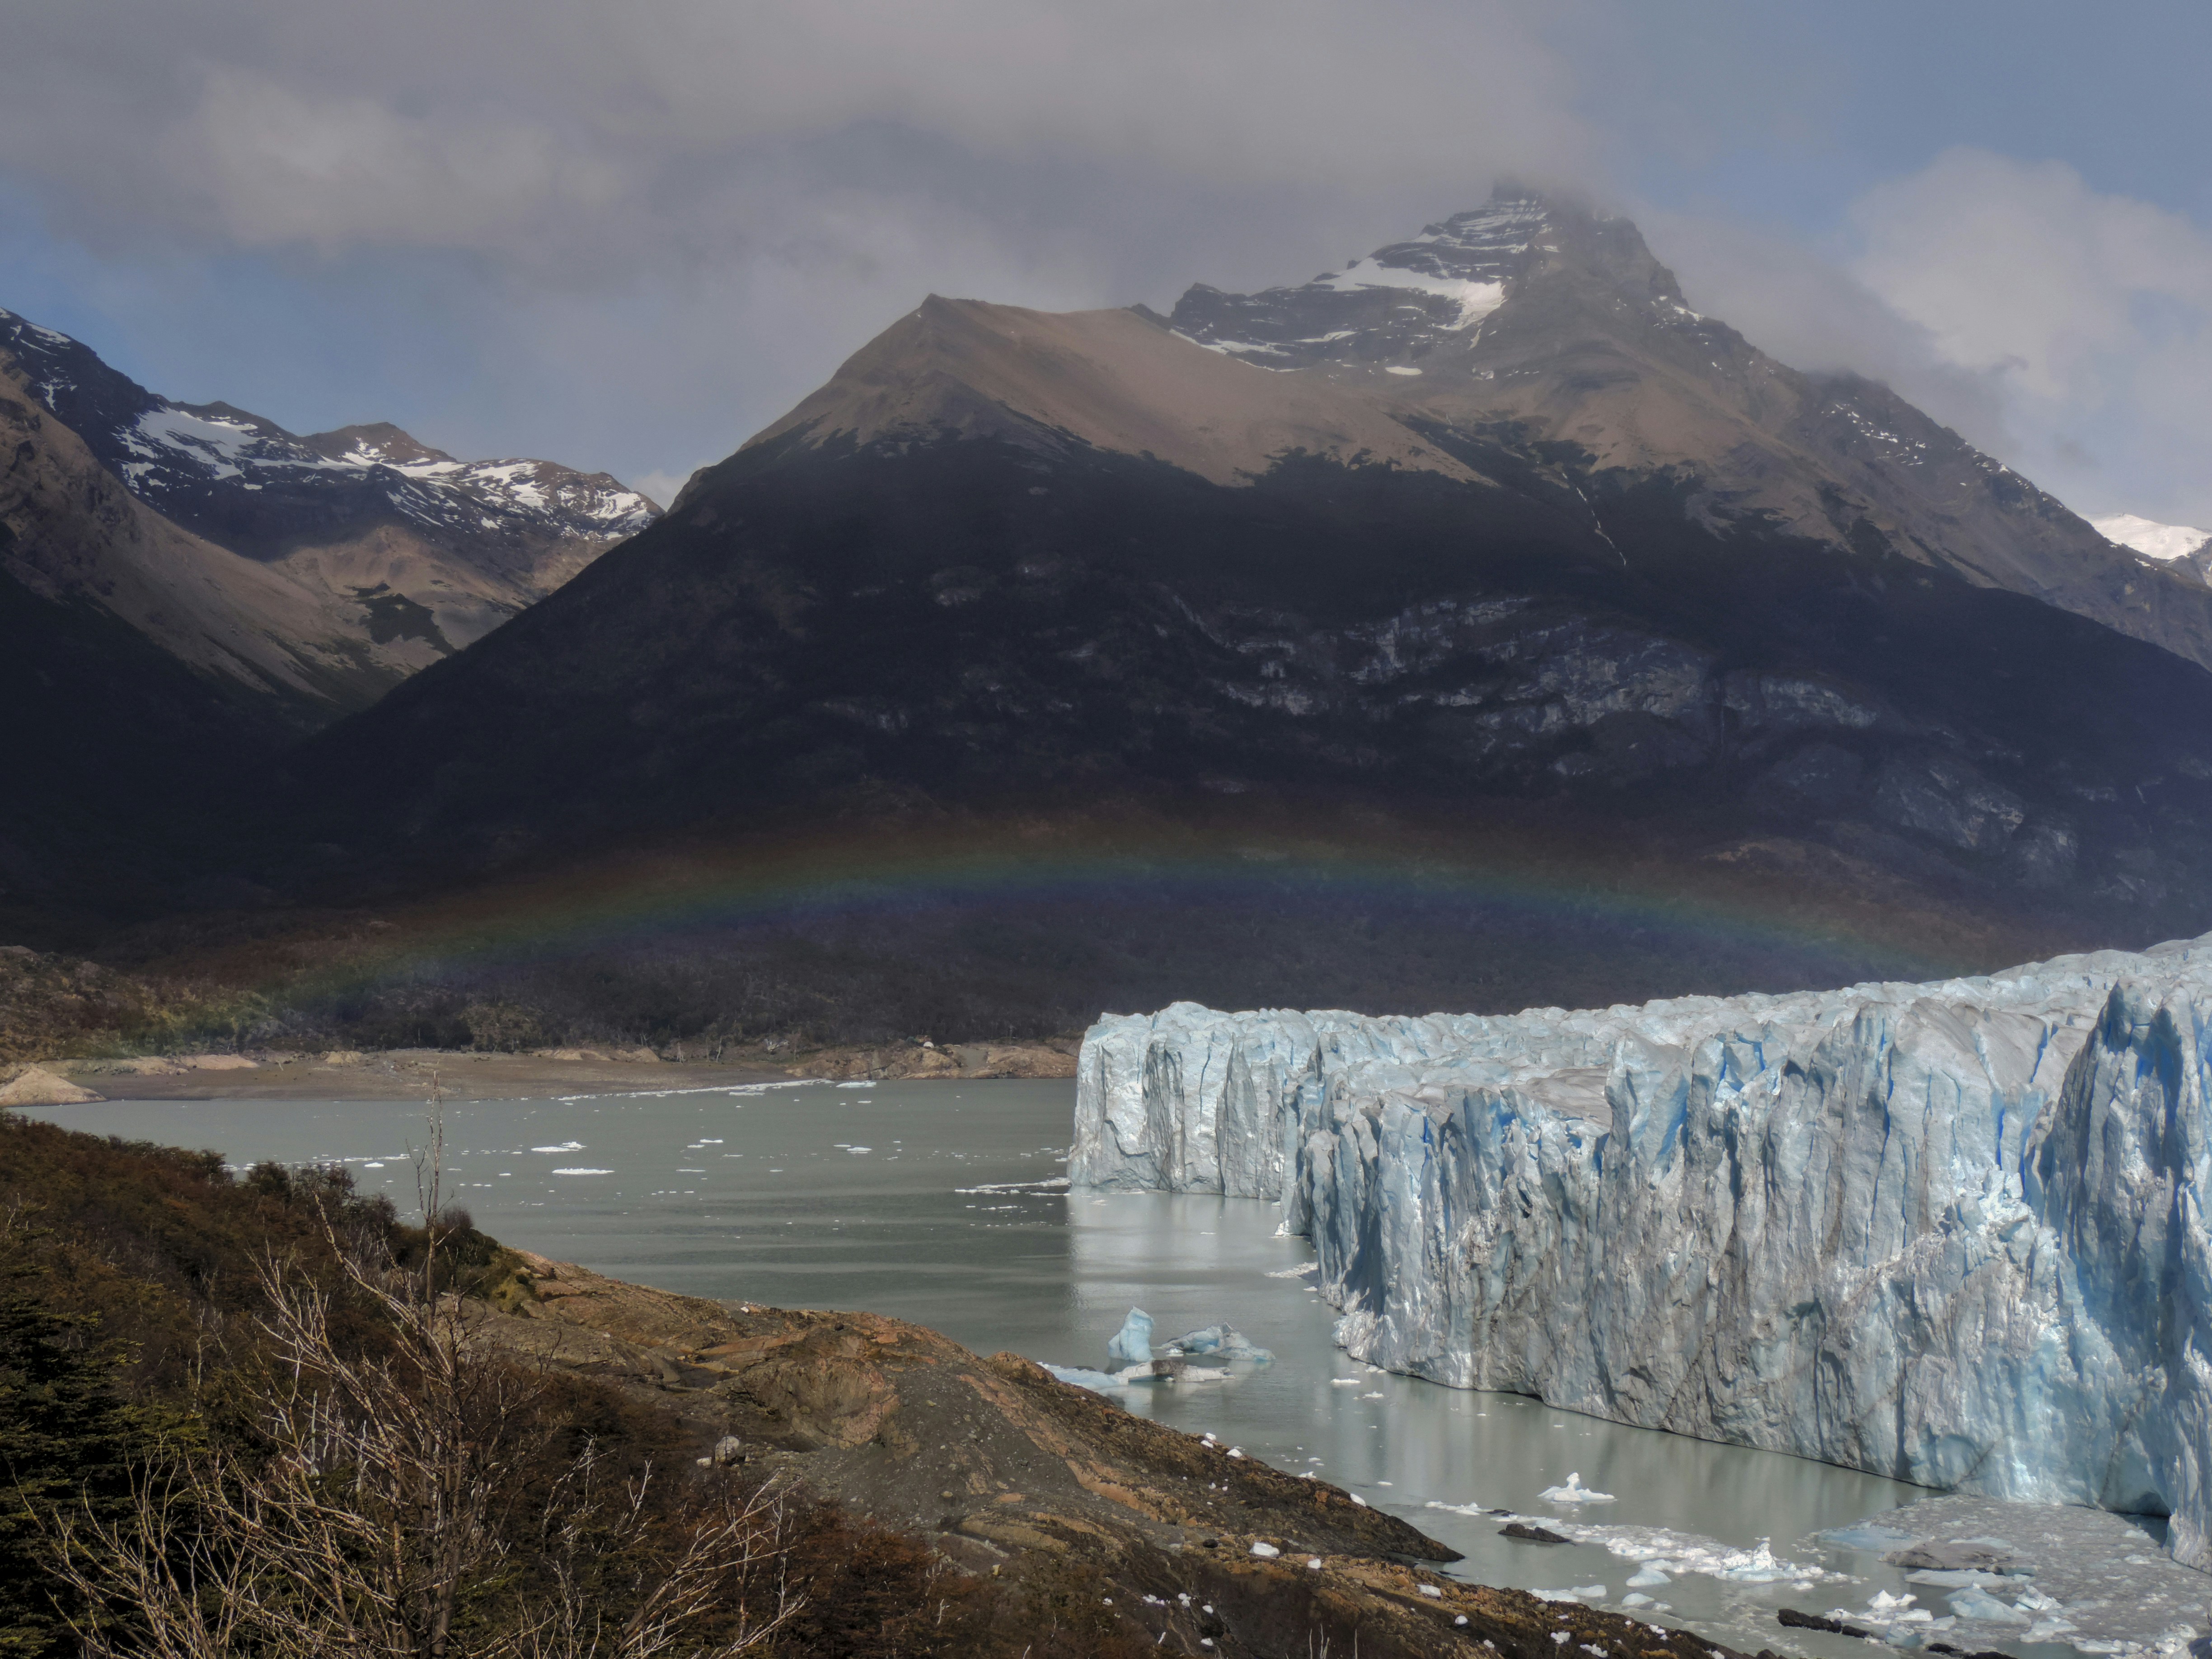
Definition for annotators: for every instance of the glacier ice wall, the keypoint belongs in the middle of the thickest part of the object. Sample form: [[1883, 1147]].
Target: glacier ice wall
[[1952, 1233]]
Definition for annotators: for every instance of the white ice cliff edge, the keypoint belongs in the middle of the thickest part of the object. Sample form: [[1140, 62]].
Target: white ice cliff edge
[[1952, 1233]]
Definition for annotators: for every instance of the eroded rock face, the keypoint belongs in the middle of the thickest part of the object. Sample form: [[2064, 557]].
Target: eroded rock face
[[1951, 1233]]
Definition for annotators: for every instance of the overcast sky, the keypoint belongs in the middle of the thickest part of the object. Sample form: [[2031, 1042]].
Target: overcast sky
[[626, 234]]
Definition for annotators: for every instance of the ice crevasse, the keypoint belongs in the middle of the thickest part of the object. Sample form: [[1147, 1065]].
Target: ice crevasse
[[1953, 1233]]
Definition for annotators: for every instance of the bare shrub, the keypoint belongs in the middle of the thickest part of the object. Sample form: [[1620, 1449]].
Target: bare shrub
[[375, 1508]]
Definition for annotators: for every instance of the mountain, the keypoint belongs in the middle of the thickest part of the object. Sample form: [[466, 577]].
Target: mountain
[[1486, 561], [415, 553], [185, 590], [1559, 322]]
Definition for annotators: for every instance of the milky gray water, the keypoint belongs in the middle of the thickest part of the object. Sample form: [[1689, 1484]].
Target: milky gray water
[[930, 1202]]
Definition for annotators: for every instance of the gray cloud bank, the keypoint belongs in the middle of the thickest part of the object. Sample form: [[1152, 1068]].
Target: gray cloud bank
[[639, 231]]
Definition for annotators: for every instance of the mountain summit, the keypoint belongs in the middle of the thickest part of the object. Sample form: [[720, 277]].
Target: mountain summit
[[1418, 304], [1557, 323]]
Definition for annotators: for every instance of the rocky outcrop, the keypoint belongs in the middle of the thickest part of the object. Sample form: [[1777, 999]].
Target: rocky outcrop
[[1951, 1233]]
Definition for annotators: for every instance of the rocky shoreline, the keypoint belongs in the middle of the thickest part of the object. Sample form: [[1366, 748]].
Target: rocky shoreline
[[997, 1467]]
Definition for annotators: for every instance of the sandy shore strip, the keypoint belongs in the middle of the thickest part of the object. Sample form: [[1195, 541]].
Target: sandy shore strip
[[410, 1073]]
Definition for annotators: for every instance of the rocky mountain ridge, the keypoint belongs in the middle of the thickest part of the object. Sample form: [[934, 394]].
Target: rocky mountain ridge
[[427, 548], [1556, 321]]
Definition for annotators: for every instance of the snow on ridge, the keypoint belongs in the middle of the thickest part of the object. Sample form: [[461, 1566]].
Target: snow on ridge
[[1476, 300], [173, 447], [2149, 537]]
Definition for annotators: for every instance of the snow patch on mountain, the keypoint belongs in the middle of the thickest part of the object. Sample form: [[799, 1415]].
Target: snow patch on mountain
[[2149, 537], [180, 457], [1475, 300], [1401, 300]]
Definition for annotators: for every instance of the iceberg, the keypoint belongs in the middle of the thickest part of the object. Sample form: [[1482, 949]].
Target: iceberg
[[1133, 1343], [1952, 1233], [1574, 1493], [1220, 1342], [1084, 1378]]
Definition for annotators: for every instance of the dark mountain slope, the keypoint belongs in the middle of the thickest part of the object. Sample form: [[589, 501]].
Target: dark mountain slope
[[964, 622], [121, 765]]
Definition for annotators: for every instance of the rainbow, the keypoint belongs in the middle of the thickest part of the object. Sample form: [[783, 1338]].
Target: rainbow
[[1756, 916]]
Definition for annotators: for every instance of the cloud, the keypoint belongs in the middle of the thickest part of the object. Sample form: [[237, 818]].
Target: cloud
[[630, 235], [2090, 313], [1803, 305], [560, 131], [2020, 267], [680, 215]]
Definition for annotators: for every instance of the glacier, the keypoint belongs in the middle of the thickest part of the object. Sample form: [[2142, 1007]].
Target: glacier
[[1952, 1233]]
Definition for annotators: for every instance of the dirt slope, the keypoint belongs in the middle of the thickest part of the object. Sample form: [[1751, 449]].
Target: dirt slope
[[1110, 379]]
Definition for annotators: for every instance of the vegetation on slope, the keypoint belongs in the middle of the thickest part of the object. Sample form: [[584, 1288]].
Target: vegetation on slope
[[219, 1392]]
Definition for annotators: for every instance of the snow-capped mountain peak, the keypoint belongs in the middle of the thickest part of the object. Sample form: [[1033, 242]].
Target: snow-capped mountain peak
[[1399, 298], [247, 484], [1420, 304]]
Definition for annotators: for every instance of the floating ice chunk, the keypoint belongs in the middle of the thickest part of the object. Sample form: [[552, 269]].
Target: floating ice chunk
[[1578, 1593], [1977, 1604], [1898, 1609], [1648, 1577], [1955, 1578], [582, 1172], [1084, 1378], [1217, 1342], [1635, 1598], [565, 1146], [1297, 1272], [1867, 1535], [1574, 1493], [1343, 1382], [1133, 1343]]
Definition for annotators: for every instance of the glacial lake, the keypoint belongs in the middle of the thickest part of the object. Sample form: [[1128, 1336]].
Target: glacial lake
[[928, 1201]]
